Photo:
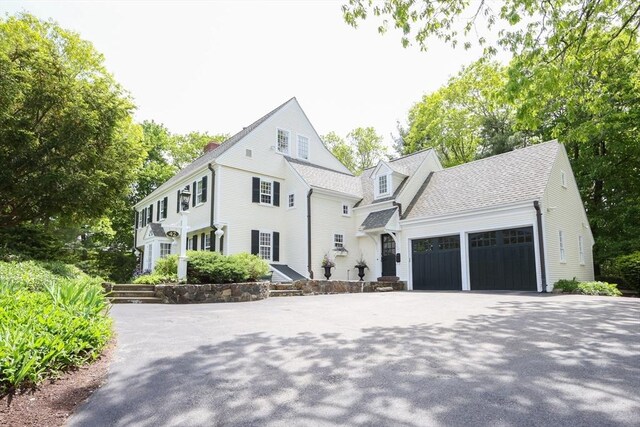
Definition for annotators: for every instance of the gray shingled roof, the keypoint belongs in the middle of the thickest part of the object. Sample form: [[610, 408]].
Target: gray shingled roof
[[519, 175], [407, 165], [378, 219], [157, 229], [321, 177], [208, 157]]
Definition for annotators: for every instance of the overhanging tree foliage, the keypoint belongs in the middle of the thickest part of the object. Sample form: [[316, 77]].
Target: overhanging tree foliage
[[68, 146]]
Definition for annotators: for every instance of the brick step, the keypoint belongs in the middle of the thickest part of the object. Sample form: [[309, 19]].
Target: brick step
[[281, 287], [127, 287], [118, 294], [135, 300], [285, 293]]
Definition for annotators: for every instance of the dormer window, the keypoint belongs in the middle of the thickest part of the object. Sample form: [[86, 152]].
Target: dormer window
[[383, 186], [283, 141]]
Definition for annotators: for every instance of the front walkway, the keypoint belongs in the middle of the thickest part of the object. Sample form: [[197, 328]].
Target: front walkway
[[401, 359]]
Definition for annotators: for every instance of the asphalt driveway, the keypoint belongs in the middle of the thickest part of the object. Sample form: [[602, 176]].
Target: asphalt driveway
[[400, 359]]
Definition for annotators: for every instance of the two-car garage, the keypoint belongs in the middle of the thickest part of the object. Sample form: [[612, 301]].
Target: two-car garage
[[498, 260]]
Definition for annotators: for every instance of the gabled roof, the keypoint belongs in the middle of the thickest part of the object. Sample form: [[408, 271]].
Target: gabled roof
[[516, 176], [328, 179], [406, 165], [208, 157], [378, 219]]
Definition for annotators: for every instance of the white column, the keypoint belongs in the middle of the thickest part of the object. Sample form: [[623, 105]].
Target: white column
[[464, 261], [182, 259]]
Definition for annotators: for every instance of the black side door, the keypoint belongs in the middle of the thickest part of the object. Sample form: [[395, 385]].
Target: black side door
[[388, 255]]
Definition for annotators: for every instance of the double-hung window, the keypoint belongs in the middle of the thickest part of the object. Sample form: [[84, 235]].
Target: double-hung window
[[581, 249], [303, 147], [345, 209], [200, 193], [383, 185], [265, 246], [338, 241], [206, 242], [283, 141], [266, 192], [292, 200], [165, 250]]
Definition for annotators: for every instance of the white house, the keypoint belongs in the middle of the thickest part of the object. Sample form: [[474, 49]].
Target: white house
[[509, 222]]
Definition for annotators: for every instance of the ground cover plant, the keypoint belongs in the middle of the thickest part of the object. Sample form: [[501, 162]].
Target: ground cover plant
[[208, 267], [52, 317], [588, 288]]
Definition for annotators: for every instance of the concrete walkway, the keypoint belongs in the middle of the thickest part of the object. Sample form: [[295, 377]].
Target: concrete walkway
[[394, 359]]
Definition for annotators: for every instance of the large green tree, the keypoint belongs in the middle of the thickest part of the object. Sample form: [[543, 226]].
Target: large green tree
[[68, 146], [362, 148]]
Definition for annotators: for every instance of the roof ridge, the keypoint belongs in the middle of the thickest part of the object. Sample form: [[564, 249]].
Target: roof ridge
[[398, 158], [313, 165], [501, 154]]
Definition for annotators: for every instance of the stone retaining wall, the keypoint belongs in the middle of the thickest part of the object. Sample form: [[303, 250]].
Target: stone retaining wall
[[314, 287], [228, 292]]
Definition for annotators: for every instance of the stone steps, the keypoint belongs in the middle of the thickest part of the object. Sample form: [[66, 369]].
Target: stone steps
[[135, 300], [281, 287], [385, 289], [133, 294], [285, 293]]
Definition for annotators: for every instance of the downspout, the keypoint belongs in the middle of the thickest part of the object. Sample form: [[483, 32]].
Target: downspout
[[309, 269], [543, 271], [213, 193]]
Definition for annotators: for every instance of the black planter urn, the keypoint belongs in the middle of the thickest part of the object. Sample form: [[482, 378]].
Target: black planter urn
[[361, 272], [327, 272]]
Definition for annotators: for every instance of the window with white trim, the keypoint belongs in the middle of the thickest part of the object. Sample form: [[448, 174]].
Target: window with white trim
[[581, 249], [383, 185], [207, 242], [199, 193], [283, 141], [266, 192], [165, 250], [164, 203], [346, 211], [563, 179], [563, 257], [148, 256], [303, 147], [338, 241], [291, 200], [264, 249]]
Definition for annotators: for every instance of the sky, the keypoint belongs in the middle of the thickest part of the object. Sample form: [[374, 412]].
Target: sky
[[217, 66]]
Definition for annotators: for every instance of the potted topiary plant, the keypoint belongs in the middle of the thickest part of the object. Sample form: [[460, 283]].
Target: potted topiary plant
[[327, 264], [361, 264]]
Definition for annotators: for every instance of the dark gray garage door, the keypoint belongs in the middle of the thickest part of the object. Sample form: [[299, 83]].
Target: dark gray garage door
[[503, 260], [436, 263]]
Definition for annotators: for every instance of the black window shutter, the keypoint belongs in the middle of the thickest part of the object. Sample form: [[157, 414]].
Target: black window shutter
[[193, 195], [137, 219], [255, 242], [178, 202], [221, 244], [187, 243], [195, 242], [158, 211], [256, 190], [150, 220], [165, 203], [212, 241], [204, 189], [276, 246], [276, 194], [202, 241], [144, 217]]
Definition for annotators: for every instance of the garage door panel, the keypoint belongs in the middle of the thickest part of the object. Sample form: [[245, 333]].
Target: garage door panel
[[502, 260], [436, 263]]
